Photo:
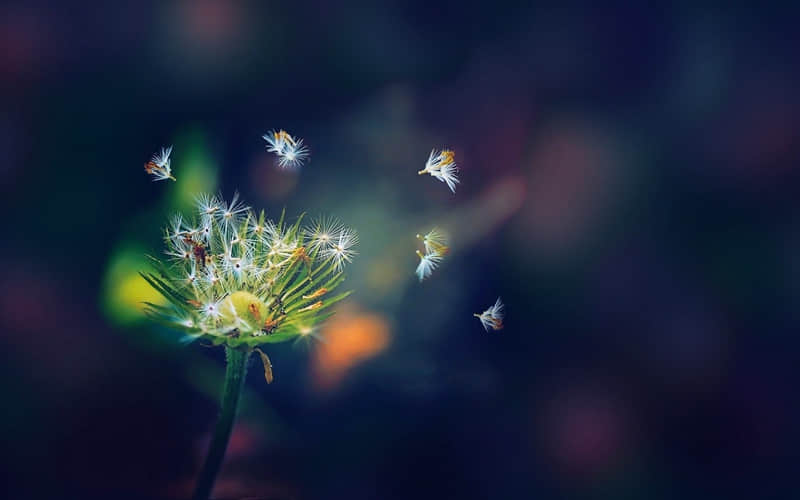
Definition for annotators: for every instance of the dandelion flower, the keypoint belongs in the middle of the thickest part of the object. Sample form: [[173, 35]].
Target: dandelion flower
[[239, 280], [427, 263], [290, 151], [492, 317], [442, 166], [239, 286], [159, 165], [435, 241]]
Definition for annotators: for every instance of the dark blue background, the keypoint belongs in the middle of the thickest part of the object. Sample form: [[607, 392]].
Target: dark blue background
[[629, 186]]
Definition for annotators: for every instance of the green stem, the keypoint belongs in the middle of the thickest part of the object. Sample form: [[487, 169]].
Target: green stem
[[235, 373]]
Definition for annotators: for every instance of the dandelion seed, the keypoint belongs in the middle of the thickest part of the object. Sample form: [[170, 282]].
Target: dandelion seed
[[442, 166], [180, 253], [211, 277], [230, 214], [447, 174], [176, 227], [191, 277], [492, 317], [435, 241], [211, 310], [294, 155], [323, 234], [205, 232], [281, 245], [427, 264], [290, 151], [242, 243], [159, 165], [207, 204], [435, 250], [341, 248], [277, 141], [236, 267], [270, 232], [256, 227]]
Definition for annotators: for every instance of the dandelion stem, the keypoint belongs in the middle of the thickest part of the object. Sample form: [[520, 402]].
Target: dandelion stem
[[235, 373]]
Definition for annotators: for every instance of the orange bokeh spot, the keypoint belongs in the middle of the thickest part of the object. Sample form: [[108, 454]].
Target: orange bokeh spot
[[350, 337]]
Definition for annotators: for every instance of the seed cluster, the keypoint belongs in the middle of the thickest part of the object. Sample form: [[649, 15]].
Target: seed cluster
[[238, 278]]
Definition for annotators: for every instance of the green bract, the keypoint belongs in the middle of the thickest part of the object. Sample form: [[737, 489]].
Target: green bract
[[238, 279]]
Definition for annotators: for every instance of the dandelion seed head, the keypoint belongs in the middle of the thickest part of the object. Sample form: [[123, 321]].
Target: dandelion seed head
[[225, 265]]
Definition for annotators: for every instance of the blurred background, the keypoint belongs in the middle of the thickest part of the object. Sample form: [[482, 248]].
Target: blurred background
[[629, 186]]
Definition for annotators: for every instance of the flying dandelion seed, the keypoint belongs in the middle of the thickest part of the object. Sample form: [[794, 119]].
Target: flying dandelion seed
[[436, 248], [435, 241], [159, 165], [427, 264], [294, 155], [276, 140], [492, 317], [290, 151], [442, 165]]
